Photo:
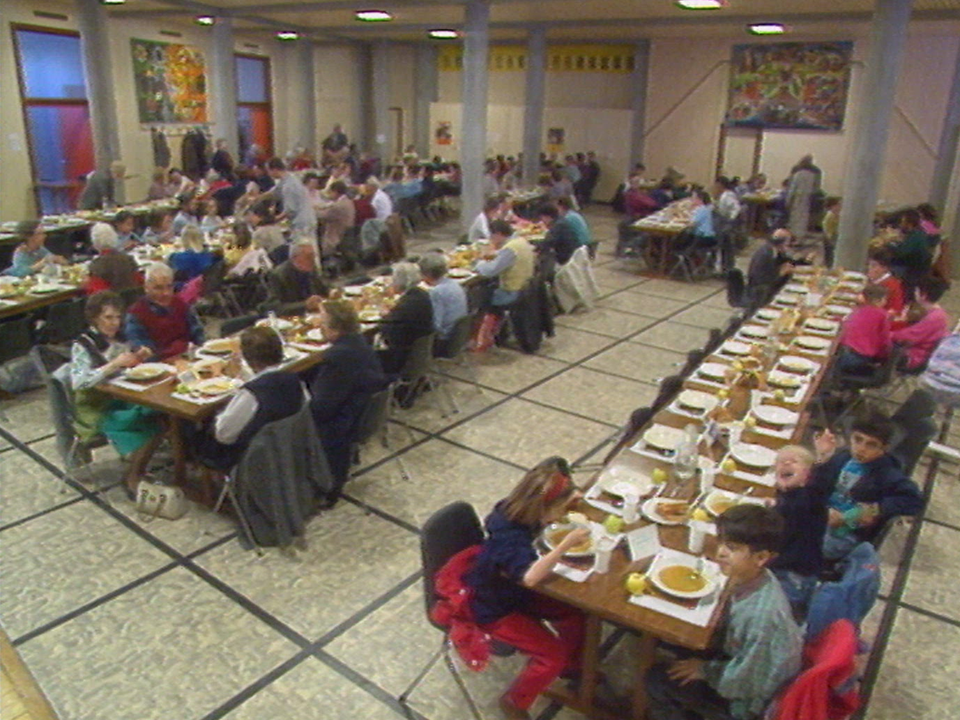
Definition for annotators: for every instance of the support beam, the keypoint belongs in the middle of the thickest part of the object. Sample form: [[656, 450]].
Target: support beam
[[223, 85], [426, 91], [536, 91], [365, 130], [473, 125], [861, 187], [306, 96], [380, 92], [94, 41], [638, 101], [949, 145]]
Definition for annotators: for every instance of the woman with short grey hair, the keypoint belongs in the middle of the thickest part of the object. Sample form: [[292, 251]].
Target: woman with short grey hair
[[410, 319]]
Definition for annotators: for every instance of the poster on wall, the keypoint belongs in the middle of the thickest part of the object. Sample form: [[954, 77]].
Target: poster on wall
[[170, 82], [555, 137], [444, 132], [790, 85]]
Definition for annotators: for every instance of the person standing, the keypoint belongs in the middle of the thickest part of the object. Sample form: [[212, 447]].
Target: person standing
[[804, 182], [296, 202]]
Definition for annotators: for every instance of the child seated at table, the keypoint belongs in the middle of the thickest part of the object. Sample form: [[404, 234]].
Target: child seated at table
[[803, 506], [508, 566], [867, 486], [761, 643], [865, 337]]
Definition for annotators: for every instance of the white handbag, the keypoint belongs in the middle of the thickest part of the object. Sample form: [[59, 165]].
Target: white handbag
[[156, 500]]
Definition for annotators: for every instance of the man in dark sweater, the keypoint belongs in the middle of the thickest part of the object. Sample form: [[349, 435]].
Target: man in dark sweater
[[561, 236], [343, 382], [410, 319], [769, 268], [270, 395], [295, 285]]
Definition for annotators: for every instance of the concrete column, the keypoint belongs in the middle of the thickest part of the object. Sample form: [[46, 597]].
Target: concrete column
[[94, 44], [365, 131], [380, 81], [638, 101], [949, 141], [536, 92], [305, 99], [426, 91], [223, 85], [473, 125], [861, 186]]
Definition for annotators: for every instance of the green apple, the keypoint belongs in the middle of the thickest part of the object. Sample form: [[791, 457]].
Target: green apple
[[636, 583], [613, 524]]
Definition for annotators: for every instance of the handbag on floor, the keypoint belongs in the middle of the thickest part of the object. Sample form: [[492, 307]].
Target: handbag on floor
[[157, 500]]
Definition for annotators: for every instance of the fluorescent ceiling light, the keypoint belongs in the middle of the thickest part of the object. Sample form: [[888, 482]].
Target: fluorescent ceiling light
[[287, 35], [444, 34], [373, 15], [113, 2], [766, 29], [204, 20], [701, 4]]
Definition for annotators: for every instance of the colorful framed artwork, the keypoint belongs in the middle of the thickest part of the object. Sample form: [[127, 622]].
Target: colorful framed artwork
[[170, 82], [790, 85]]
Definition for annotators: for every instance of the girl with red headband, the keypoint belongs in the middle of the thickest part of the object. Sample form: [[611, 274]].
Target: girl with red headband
[[508, 566]]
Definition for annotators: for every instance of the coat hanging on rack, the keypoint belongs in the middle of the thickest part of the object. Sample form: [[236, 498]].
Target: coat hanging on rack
[[161, 150], [193, 154]]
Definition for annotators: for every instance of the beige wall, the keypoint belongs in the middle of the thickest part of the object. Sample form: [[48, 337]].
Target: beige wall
[[16, 196]]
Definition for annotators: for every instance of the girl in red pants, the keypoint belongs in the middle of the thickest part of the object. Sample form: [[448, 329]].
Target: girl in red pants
[[508, 566]]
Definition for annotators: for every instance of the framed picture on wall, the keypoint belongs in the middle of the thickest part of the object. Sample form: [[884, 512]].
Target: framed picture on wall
[[790, 85], [444, 132], [555, 138], [170, 82]]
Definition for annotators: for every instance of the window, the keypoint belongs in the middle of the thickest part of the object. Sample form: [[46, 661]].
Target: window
[[54, 97], [254, 109]]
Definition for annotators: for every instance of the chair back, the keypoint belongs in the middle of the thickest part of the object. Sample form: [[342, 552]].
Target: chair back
[[915, 418], [885, 373], [638, 418], [16, 338], [459, 337], [419, 361], [213, 277], [736, 286], [235, 325], [445, 533], [714, 340], [374, 417], [65, 321], [50, 362], [669, 387], [694, 358]]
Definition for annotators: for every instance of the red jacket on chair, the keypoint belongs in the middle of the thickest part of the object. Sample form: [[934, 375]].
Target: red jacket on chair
[[452, 609], [826, 689]]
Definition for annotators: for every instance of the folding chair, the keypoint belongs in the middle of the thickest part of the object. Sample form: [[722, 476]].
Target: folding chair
[[457, 352], [64, 322], [696, 260], [374, 422], [417, 370]]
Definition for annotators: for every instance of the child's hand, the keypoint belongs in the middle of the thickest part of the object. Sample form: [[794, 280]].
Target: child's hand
[[575, 537], [685, 671], [825, 444], [834, 518]]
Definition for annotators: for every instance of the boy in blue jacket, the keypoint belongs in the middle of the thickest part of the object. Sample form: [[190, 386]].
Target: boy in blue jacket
[[866, 483]]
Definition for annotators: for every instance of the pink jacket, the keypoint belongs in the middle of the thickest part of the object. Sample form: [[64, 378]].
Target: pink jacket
[[867, 331], [922, 337]]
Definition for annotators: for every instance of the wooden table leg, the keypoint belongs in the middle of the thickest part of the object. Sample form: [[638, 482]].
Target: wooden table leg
[[591, 661], [179, 453], [646, 652]]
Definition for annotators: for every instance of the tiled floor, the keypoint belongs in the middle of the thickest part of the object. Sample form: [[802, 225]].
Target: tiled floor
[[126, 620]]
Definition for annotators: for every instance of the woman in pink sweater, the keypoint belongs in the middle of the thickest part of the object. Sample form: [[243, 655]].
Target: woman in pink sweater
[[922, 338], [865, 338]]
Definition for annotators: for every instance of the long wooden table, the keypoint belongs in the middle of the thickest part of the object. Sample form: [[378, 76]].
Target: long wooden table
[[604, 597], [29, 302]]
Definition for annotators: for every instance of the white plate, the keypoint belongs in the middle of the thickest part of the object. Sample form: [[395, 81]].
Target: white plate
[[316, 335], [459, 273], [756, 456], [148, 371], [822, 325], [842, 310], [369, 316], [715, 371], [353, 290], [768, 313], [217, 385], [797, 363], [556, 527], [788, 298], [649, 510], [713, 502], [658, 567], [663, 437], [221, 346], [754, 331], [853, 275], [775, 415], [796, 288], [46, 289], [277, 323], [732, 347], [782, 379], [812, 343], [697, 400]]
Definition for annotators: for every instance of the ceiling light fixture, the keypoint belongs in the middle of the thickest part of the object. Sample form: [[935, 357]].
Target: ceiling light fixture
[[444, 34], [113, 2], [373, 16], [204, 20], [766, 29], [287, 35], [701, 4]]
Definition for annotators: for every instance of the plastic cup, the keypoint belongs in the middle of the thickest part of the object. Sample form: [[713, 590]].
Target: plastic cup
[[695, 539], [602, 553], [708, 473], [631, 512]]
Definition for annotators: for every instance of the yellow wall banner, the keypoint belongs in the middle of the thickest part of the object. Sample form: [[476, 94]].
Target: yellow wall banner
[[560, 58]]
